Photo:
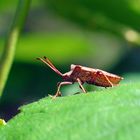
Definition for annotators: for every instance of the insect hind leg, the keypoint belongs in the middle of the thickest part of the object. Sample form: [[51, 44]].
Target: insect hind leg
[[110, 83], [80, 85]]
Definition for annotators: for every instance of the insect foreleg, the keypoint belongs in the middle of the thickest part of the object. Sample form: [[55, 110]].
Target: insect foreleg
[[100, 72], [80, 84], [58, 93]]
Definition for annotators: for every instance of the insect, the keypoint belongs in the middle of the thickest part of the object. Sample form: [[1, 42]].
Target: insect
[[83, 75]]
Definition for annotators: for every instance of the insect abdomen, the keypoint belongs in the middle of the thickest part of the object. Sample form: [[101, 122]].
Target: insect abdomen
[[100, 79]]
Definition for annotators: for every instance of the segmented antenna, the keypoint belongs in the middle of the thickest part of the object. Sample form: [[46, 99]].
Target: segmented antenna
[[48, 62]]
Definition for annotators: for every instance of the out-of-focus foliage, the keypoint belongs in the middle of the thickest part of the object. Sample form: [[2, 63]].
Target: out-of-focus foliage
[[114, 16], [6, 5], [131, 77], [71, 47], [121, 11], [106, 115]]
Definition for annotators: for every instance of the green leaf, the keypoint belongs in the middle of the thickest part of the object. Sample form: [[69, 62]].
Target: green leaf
[[107, 114]]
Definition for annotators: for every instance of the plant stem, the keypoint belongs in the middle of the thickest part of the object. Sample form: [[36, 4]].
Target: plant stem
[[11, 41]]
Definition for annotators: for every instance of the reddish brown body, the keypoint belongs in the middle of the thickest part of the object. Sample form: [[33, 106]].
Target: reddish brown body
[[83, 75], [92, 76]]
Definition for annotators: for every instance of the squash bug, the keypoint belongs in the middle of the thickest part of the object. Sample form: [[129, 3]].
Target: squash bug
[[83, 75]]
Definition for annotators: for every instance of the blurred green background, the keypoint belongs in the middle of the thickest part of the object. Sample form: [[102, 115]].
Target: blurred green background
[[95, 33]]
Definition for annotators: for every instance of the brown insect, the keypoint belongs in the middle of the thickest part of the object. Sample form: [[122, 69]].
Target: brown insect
[[83, 75]]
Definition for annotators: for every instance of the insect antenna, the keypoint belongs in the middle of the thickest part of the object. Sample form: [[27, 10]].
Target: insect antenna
[[48, 62]]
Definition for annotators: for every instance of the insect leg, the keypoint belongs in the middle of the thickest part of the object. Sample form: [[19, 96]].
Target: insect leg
[[58, 93], [111, 84], [80, 84]]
